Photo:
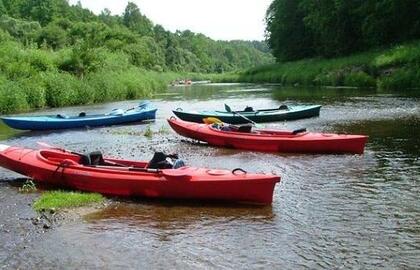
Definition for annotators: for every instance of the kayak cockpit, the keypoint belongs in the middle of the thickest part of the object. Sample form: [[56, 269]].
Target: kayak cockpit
[[96, 159], [57, 157], [248, 129]]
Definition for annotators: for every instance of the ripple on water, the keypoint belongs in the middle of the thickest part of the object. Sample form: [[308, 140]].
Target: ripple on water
[[329, 211]]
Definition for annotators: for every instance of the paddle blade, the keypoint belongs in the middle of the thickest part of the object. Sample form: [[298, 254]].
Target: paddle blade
[[212, 120], [227, 108]]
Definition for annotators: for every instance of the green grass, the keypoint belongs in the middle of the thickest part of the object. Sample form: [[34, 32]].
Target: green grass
[[148, 133], [64, 199], [32, 78], [391, 68], [28, 186]]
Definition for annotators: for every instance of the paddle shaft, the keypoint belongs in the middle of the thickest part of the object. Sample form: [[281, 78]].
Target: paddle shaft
[[244, 117], [228, 109]]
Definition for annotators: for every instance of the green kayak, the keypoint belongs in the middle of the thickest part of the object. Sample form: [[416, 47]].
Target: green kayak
[[239, 117]]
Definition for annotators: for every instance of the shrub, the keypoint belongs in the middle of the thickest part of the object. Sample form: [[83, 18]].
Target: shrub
[[35, 92], [61, 89], [359, 79], [403, 78], [12, 98]]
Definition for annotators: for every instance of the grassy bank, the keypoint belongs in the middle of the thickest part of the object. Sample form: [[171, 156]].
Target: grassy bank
[[61, 199], [34, 78], [394, 68]]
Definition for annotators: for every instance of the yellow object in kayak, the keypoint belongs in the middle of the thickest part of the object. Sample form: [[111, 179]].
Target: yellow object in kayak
[[212, 120]]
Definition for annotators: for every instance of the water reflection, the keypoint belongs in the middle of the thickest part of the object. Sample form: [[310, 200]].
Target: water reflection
[[6, 132], [395, 137], [169, 215], [327, 95]]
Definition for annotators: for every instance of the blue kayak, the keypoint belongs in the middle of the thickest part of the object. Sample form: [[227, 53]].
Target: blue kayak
[[144, 111]]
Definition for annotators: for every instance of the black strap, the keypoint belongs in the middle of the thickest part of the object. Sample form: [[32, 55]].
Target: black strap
[[239, 170], [297, 131]]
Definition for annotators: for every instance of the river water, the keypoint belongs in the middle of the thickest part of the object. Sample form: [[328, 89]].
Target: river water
[[329, 211]]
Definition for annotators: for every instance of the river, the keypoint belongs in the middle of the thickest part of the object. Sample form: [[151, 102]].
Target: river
[[329, 211]]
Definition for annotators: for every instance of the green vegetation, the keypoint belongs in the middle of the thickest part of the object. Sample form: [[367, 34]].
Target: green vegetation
[[300, 29], [53, 54], [163, 130], [62, 199], [148, 133], [28, 186], [394, 68]]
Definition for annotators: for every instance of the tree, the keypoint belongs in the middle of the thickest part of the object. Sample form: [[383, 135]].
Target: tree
[[145, 53], [77, 13], [335, 25], [133, 19], [82, 60], [3, 10], [107, 18], [94, 33], [13, 7], [52, 35], [287, 35], [25, 31], [329, 28], [43, 11]]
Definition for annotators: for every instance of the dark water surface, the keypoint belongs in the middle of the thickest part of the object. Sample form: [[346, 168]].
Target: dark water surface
[[329, 211]]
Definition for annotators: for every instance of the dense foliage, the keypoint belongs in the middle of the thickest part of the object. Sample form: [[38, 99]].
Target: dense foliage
[[54, 54], [54, 24], [395, 68], [299, 29]]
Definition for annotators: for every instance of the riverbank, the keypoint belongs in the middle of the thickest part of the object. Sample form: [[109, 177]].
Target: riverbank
[[57, 89], [32, 78], [393, 68], [36, 81]]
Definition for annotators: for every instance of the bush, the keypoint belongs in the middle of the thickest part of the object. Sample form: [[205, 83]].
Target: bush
[[12, 98], [52, 35], [35, 92], [403, 78], [359, 79], [40, 60], [61, 89]]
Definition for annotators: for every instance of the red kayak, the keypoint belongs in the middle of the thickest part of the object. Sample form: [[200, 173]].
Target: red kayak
[[117, 177], [243, 137]]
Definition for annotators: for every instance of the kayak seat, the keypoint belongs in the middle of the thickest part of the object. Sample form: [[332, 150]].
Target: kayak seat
[[248, 109], [246, 128], [82, 114], [283, 107], [93, 158], [160, 161], [62, 116], [96, 158]]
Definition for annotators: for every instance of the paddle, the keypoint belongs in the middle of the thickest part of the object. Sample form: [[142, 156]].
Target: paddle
[[228, 109], [141, 105]]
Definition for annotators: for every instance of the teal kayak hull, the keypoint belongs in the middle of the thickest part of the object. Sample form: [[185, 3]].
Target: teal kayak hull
[[146, 111], [258, 116]]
